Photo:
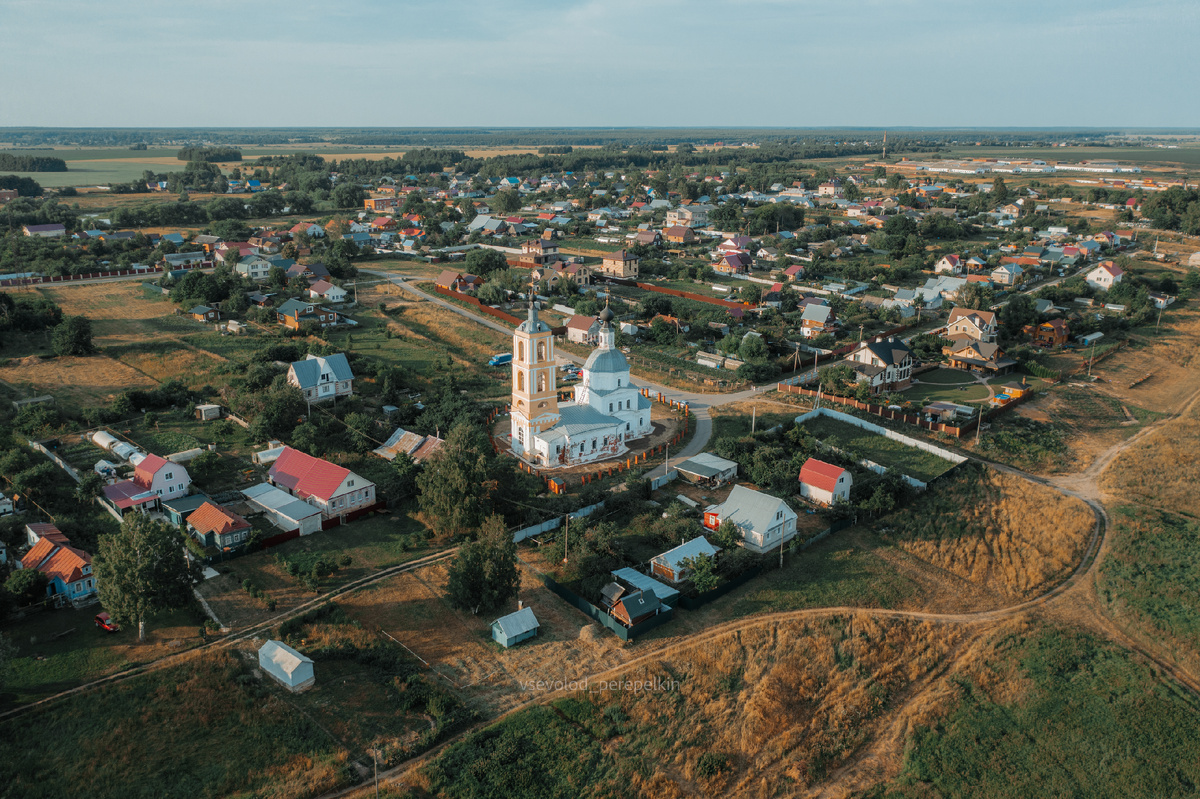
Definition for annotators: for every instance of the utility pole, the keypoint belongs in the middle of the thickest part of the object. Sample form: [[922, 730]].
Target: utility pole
[[566, 536], [1158, 321], [375, 761], [753, 419], [1091, 358]]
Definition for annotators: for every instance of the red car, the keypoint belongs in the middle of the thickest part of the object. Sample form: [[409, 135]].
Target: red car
[[104, 622]]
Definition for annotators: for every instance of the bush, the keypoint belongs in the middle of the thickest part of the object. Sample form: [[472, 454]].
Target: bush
[[711, 764]]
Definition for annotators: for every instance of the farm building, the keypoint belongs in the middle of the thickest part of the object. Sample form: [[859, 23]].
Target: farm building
[[764, 521], [286, 666], [824, 483], [285, 511], [515, 627], [640, 582], [669, 565], [636, 606], [707, 468], [206, 413]]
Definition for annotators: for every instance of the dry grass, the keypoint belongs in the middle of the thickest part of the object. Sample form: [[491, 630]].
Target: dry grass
[[1005, 534], [1162, 470], [80, 379]]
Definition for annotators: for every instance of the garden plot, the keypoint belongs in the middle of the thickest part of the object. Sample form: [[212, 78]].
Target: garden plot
[[886, 452]]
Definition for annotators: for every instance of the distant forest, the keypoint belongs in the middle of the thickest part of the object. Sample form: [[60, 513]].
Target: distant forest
[[31, 163], [533, 137], [210, 154]]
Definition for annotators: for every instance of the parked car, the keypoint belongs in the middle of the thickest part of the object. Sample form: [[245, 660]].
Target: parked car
[[105, 623]]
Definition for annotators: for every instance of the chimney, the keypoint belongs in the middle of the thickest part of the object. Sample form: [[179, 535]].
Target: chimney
[[520, 605]]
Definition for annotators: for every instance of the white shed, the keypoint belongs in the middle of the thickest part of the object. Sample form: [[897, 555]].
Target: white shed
[[286, 666]]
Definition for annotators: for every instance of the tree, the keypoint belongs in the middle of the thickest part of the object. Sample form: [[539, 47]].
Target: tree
[[141, 570], [753, 349], [1018, 312], [27, 586], [7, 652], [73, 337], [90, 485], [728, 535], [999, 191], [359, 430], [977, 296], [483, 262], [484, 575], [702, 572], [457, 485], [505, 202]]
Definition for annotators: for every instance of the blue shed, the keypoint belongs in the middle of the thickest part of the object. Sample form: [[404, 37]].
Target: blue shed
[[515, 627]]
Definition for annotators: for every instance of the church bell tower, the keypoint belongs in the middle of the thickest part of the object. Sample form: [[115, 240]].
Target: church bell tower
[[534, 390]]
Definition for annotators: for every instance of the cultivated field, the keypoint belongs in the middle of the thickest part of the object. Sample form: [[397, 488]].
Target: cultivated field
[[888, 453]]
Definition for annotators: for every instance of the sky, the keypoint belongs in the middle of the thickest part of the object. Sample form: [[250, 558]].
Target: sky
[[580, 63]]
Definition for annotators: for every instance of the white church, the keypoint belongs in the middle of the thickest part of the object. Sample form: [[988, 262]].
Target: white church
[[608, 410]]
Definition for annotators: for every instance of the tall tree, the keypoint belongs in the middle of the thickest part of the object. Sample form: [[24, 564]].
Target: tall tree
[[141, 570], [484, 574], [457, 486], [73, 337]]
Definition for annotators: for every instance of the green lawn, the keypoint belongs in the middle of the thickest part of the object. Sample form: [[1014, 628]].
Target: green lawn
[[739, 424], [1088, 720], [975, 392], [946, 377], [46, 665], [1151, 576], [890, 454]]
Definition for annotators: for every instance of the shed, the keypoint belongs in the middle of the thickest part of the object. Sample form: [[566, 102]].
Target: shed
[[707, 467], [824, 483], [206, 413], [643, 582], [285, 511], [515, 627], [669, 565], [637, 606], [286, 666], [177, 509]]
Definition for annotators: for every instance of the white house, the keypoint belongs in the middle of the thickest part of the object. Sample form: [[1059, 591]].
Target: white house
[[1105, 276], [334, 489], [162, 477], [322, 377], [324, 290], [949, 264], [969, 323], [1007, 274], [583, 329], [824, 483], [286, 666], [765, 521], [884, 364], [254, 267]]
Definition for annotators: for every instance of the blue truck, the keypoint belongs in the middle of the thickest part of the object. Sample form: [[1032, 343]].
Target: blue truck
[[503, 359]]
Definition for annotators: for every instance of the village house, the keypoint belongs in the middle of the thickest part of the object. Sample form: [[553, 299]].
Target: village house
[[215, 526], [764, 521], [670, 565], [620, 264], [966, 323], [635, 607], [679, 234], [583, 329], [949, 264], [51, 231], [254, 267], [823, 483], [1054, 333], [794, 272], [883, 364], [202, 313], [294, 313], [515, 627], [733, 262], [689, 216], [538, 252], [816, 320], [978, 356], [1105, 276], [648, 238], [322, 377], [324, 290], [334, 490], [1007, 274], [68, 570]]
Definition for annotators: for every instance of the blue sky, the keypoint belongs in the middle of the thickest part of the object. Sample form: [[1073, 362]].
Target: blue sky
[[948, 63]]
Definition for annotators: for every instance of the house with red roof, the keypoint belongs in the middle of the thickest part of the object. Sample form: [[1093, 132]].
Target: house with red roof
[[824, 483], [1105, 276], [216, 526], [162, 477], [334, 489], [69, 570]]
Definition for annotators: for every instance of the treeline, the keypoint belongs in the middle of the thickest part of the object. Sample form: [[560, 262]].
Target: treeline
[[28, 314], [26, 187], [31, 163], [209, 154]]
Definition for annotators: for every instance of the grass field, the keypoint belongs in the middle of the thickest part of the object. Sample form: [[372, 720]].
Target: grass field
[[947, 377], [1150, 578], [793, 699], [888, 453], [1162, 470], [963, 394], [1055, 712], [1011, 537], [1188, 155], [58, 650]]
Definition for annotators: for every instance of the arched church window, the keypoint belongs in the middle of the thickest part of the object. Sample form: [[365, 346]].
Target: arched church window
[[520, 381], [520, 350], [541, 351], [541, 381]]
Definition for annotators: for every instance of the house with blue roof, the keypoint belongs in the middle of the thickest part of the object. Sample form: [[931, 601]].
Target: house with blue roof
[[322, 377]]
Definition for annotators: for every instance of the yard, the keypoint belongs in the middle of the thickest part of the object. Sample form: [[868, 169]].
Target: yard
[[917, 463]]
